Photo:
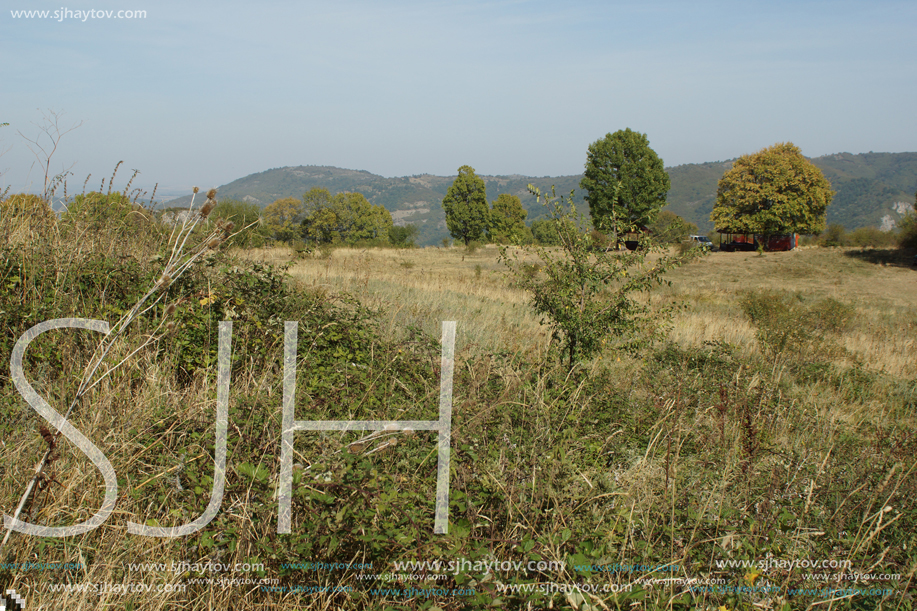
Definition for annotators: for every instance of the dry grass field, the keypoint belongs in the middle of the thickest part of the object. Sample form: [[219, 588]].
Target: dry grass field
[[424, 286], [706, 445]]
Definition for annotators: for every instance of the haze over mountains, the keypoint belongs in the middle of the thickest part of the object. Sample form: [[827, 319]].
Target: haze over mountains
[[872, 189]]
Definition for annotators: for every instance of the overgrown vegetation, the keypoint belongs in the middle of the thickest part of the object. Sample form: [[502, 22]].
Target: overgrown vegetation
[[872, 237], [772, 421]]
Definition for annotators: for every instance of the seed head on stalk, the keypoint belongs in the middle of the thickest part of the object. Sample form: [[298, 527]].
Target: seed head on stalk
[[178, 263]]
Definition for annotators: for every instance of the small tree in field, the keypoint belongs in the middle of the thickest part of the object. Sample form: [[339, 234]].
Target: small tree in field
[[586, 296]]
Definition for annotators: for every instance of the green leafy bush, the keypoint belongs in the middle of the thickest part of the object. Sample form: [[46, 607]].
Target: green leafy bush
[[600, 241], [907, 232], [834, 235], [402, 236], [779, 319], [544, 232], [112, 223], [871, 237], [587, 297]]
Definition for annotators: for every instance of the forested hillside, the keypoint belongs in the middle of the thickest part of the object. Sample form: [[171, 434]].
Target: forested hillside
[[873, 189]]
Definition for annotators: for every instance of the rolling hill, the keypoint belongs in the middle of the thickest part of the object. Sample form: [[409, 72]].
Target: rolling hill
[[873, 189]]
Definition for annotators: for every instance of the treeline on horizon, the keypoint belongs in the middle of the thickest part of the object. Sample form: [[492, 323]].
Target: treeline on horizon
[[304, 224], [868, 187]]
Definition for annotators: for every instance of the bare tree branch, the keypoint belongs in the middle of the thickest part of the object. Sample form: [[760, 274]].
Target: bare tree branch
[[52, 131]]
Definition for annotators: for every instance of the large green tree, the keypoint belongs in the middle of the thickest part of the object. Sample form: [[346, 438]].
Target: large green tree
[[775, 190], [316, 198], [507, 219], [346, 217], [625, 181], [467, 214], [282, 218]]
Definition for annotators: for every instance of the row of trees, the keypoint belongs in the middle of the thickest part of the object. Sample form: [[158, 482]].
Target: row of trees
[[322, 218], [773, 191], [625, 184], [469, 218]]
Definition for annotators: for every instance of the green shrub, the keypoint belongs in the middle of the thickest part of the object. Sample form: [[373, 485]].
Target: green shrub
[[785, 324], [831, 315], [600, 241], [870, 237], [110, 222], [530, 270], [585, 296], [300, 248], [402, 237], [834, 235], [779, 320], [907, 232], [544, 232]]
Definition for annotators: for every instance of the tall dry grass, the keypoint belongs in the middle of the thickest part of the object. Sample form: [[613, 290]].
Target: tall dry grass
[[698, 449], [423, 286]]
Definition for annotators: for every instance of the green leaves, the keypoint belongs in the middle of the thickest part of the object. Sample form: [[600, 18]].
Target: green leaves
[[256, 473], [346, 217], [583, 294], [507, 220], [282, 217], [625, 181], [773, 191], [467, 214]]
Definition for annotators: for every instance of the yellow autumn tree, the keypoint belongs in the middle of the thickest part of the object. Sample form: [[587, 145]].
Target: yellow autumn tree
[[773, 191], [282, 218]]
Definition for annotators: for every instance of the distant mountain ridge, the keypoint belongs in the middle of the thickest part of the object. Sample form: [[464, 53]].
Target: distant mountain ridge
[[873, 189]]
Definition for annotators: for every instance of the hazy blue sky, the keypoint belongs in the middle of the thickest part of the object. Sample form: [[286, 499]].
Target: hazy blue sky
[[208, 92]]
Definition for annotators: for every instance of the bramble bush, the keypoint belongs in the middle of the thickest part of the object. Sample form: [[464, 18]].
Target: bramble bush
[[784, 323]]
